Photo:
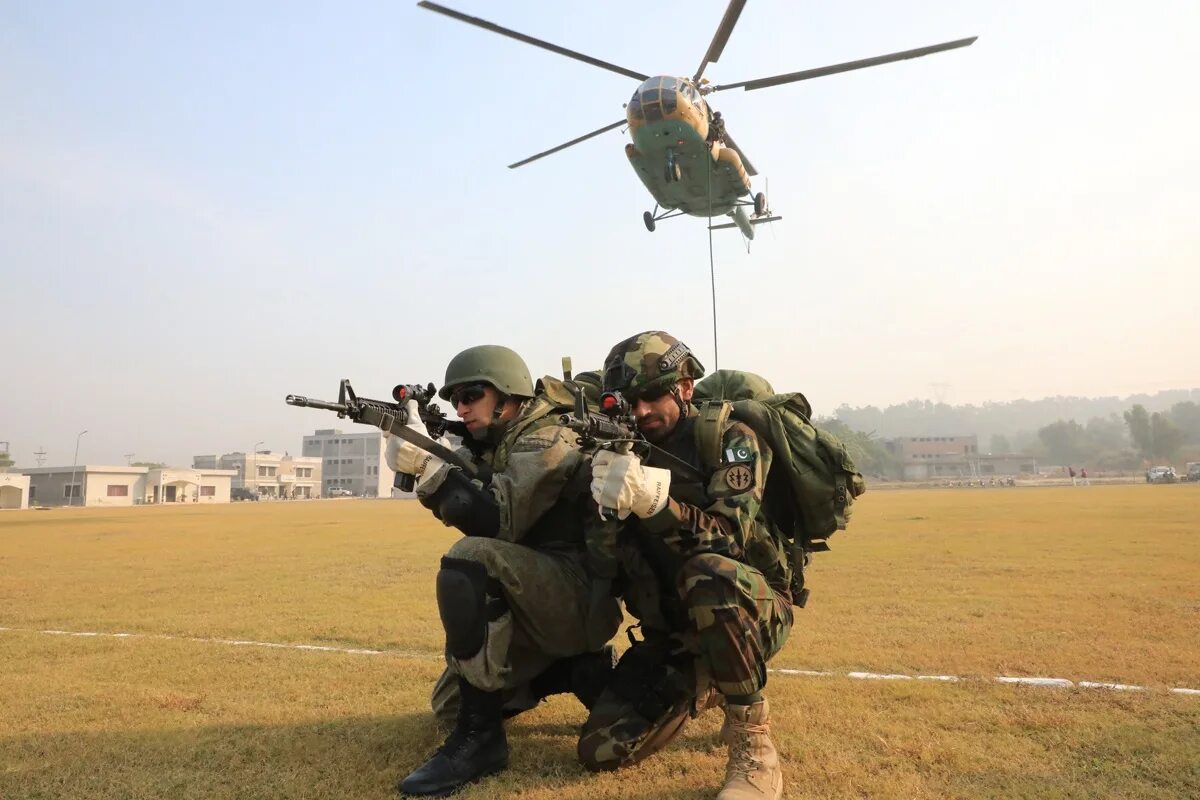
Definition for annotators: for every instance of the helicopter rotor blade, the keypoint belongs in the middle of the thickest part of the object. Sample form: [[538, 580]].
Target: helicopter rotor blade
[[565, 145], [791, 77], [721, 37], [520, 37], [729, 142]]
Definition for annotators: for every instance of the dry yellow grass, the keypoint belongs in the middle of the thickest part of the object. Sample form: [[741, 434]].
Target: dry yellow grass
[[1099, 583]]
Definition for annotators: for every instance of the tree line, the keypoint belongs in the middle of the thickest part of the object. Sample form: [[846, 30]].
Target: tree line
[[1104, 433]]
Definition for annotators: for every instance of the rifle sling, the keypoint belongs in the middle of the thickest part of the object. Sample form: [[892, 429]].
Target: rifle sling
[[391, 422]]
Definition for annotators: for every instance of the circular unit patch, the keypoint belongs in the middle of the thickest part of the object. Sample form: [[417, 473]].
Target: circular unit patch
[[739, 477]]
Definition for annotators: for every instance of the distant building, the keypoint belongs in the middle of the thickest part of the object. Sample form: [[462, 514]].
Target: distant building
[[95, 485], [272, 474], [351, 461], [14, 490], [930, 457]]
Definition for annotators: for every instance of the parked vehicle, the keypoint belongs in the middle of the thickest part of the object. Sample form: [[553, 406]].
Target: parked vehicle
[[1161, 475], [242, 493], [1193, 471], [339, 491]]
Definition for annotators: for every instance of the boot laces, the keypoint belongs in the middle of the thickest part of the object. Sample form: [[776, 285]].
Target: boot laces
[[742, 760], [457, 738]]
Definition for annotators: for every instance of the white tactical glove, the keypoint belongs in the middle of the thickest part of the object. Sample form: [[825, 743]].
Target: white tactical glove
[[620, 482], [405, 457]]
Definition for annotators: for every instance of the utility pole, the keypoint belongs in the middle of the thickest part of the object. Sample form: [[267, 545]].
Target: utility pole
[[74, 462]]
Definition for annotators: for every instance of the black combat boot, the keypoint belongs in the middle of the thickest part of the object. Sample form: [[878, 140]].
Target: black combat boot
[[475, 748], [584, 676]]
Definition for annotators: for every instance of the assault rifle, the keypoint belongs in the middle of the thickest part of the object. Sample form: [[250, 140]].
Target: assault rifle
[[615, 428], [394, 418]]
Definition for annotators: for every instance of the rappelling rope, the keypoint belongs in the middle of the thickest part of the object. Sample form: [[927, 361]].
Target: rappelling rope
[[712, 271]]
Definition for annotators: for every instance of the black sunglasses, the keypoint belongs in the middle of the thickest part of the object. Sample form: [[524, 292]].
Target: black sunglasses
[[466, 395]]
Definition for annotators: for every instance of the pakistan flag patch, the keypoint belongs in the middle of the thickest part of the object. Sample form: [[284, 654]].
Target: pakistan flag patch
[[738, 455]]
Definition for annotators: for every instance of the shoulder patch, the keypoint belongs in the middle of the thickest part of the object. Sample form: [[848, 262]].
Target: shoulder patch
[[739, 477]]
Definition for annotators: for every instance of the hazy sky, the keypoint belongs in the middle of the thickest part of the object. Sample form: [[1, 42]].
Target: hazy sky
[[207, 206]]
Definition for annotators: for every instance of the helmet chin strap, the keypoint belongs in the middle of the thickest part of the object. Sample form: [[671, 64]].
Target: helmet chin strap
[[498, 411], [679, 400], [495, 427]]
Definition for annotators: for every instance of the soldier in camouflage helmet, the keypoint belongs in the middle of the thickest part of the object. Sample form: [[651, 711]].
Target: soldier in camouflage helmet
[[707, 576], [515, 596]]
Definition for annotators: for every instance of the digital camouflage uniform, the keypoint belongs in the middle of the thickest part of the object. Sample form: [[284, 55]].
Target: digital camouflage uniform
[[537, 558], [707, 577]]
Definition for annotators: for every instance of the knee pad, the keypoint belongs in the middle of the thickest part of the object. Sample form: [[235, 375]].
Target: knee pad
[[468, 599]]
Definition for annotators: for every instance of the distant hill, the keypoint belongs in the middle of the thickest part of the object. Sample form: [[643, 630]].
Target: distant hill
[[1018, 421]]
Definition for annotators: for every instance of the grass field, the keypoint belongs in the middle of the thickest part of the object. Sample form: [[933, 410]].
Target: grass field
[[1098, 584]]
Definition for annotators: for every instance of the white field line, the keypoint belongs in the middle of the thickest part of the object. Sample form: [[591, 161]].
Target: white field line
[[1058, 683]]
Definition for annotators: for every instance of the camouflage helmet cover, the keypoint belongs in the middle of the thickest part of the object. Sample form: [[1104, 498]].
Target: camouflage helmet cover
[[491, 364], [650, 361]]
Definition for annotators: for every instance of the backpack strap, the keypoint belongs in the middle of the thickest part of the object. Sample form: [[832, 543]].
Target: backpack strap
[[710, 429]]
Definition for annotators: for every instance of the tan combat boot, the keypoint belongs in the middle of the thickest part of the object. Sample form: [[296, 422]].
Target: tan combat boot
[[753, 772]]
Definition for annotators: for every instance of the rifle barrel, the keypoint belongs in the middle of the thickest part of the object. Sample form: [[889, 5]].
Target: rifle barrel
[[309, 402]]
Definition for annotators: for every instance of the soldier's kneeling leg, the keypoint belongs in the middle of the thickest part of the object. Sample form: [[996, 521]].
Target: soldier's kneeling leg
[[470, 608], [645, 706]]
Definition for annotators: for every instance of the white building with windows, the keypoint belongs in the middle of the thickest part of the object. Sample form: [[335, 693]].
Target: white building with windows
[[275, 475], [351, 461], [93, 485]]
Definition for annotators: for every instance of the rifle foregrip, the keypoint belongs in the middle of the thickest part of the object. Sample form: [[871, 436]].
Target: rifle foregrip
[[405, 482]]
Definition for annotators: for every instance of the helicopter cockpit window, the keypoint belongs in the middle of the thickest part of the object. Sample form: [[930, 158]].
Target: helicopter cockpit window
[[668, 100], [657, 96]]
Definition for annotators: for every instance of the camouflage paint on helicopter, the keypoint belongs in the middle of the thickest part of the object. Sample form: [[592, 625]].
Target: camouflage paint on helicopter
[[678, 161], [681, 150]]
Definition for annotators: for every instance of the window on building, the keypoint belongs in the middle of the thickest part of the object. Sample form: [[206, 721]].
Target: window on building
[[71, 490], [208, 491], [32, 493], [118, 490]]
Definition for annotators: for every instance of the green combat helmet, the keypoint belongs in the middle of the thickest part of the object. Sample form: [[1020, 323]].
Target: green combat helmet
[[491, 364], [649, 362]]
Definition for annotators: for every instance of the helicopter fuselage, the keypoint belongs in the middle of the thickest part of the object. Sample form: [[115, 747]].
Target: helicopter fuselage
[[677, 160]]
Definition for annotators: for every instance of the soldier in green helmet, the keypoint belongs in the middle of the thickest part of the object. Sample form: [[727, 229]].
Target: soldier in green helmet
[[515, 596], [706, 571]]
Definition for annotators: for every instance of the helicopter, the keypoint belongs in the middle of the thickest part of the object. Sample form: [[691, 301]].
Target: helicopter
[[681, 149]]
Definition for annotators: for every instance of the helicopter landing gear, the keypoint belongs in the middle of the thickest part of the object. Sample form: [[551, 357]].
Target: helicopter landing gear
[[648, 218], [760, 204]]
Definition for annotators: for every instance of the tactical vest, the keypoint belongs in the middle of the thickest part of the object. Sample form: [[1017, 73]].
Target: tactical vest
[[562, 526]]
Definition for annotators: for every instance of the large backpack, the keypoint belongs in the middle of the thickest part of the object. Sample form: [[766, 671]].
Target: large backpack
[[812, 483]]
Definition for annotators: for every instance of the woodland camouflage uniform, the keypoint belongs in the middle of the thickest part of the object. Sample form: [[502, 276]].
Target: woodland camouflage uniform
[[707, 577]]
